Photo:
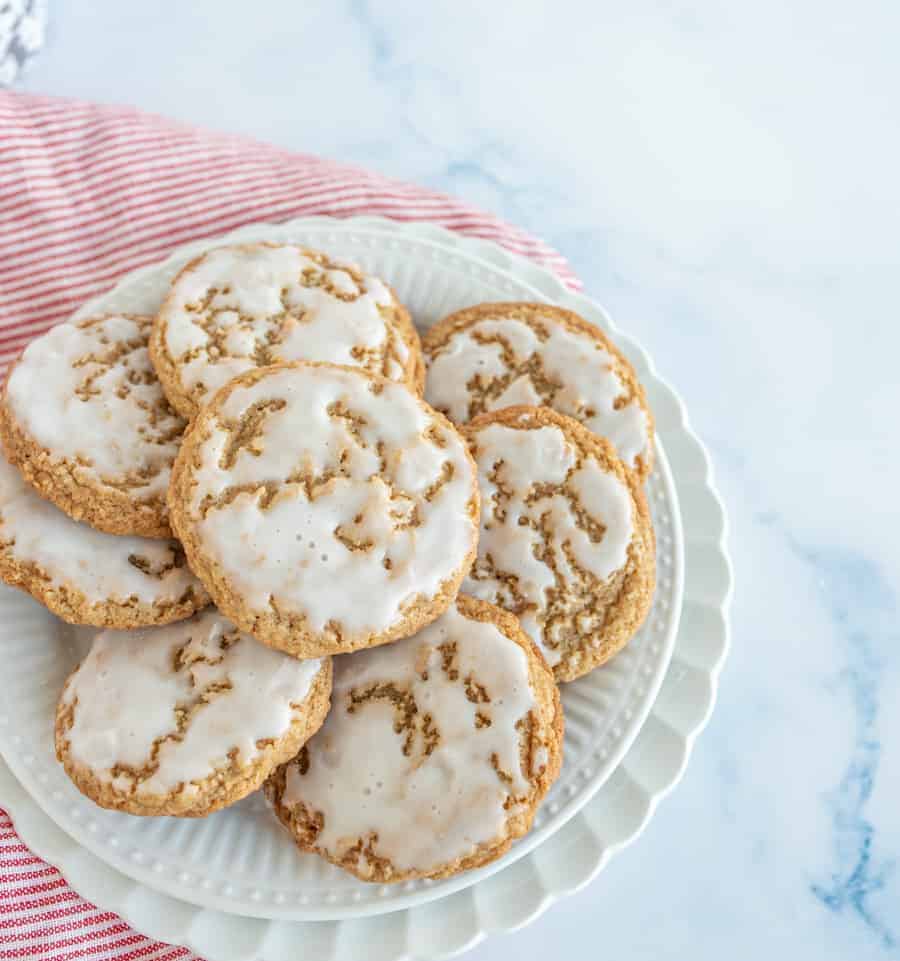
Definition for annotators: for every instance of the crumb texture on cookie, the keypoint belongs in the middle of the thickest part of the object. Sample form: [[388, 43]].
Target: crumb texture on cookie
[[84, 575], [181, 718], [564, 543], [252, 305], [500, 355], [325, 509], [435, 755], [85, 418]]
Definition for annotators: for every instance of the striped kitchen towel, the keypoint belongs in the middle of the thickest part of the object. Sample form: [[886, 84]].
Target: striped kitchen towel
[[88, 193]]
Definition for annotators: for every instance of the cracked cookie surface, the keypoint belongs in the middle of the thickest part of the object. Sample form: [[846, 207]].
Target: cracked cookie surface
[[325, 509], [251, 305], [435, 755], [187, 719], [499, 355], [84, 417], [85, 576], [566, 541]]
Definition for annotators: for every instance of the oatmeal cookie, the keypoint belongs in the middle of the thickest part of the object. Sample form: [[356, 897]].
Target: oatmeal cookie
[[325, 509], [85, 576], [436, 754], [498, 355], [251, 305], [566, 539], [187, 719], [84, 418]]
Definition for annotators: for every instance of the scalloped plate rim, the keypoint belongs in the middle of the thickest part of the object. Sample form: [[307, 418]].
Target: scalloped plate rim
[[680, 432]]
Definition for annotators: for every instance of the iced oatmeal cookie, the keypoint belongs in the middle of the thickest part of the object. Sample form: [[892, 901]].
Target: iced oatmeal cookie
[[566, 539], [187, 719], [325, 509], [84, 418], [236, 308], [437, 751], [498, 355], [85, 576]]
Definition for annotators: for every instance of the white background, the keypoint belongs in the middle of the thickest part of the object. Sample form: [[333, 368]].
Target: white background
[[724, 178]]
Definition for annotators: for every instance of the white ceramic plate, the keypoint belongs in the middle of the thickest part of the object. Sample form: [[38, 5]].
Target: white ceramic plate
[[434, 272]]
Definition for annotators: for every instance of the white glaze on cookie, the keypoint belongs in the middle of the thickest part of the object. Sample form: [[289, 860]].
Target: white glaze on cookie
[[160, 709], [561, 368], [256, 304], [323, 493], [102, 567], [545, 523], [421, 746], [87, 393]]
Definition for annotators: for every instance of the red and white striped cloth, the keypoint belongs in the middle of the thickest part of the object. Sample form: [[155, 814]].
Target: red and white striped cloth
[[88, 193]]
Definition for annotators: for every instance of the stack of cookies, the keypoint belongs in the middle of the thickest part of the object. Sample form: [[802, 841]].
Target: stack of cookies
[[317, 569]]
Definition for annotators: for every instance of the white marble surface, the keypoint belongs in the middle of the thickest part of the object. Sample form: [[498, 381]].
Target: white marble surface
[[723, 176]]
